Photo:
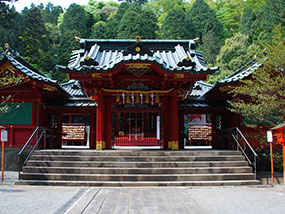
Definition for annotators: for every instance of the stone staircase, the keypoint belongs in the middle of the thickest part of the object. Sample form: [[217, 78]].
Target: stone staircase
[[137, 168]]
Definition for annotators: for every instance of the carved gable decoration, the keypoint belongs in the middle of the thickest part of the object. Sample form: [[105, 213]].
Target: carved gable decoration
[[9, 78], [138, 69]]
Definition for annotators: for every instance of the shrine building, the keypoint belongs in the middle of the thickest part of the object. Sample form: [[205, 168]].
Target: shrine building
[[120, 93]]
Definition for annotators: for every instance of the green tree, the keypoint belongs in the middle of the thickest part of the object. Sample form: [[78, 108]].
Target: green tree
[[174, 26], [113, 21], [10, 28], [247, 20], [253, 4], [51, 13], [75, 23], [161, 8], [211, 47], [203, 19], [273, 14], [99, 30], [229, 13], [264, 92], [136, 22], [34, 43], [234, 54]]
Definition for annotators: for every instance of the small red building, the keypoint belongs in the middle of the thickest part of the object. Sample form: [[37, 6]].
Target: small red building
[[120, 93]]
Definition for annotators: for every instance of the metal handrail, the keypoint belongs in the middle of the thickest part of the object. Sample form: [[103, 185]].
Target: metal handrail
[[39, 137], [28, 142], [235, 136], [245, 140]]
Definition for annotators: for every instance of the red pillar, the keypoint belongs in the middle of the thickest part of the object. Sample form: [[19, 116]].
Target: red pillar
[[166, 122], [108, 123], [92, 143], [57, 143], [181, 130], [100, 143], [174, 120]]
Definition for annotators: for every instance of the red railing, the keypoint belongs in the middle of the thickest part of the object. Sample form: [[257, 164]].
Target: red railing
[[140, 141]]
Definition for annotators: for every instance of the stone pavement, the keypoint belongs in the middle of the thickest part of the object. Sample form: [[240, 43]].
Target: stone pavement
[[180, 200]]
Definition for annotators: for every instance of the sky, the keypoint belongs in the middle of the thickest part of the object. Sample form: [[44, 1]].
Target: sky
[[20, 4]]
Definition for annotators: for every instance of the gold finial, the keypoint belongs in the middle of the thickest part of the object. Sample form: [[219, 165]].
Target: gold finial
[[188, 58], [138, 38], [6, 45], [138, 49], [77, 39], [87, 57]]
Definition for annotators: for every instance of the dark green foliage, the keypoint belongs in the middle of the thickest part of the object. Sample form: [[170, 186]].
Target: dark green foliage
[[113, 21], [229, 13], [51, 13], [273, 14], [75, 18], [11, 30], [35, 45], [265, 90], [75, 23], [99, 30], [131, 26], [203, 19], [234, 54], [7, 13], [246, 24], [211, 47], [137, 22], [174, 26]]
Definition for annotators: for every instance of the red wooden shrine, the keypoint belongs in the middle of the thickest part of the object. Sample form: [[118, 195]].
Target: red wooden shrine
[[120, 93]]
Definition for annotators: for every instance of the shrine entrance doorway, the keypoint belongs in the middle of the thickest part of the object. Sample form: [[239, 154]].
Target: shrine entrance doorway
[[136, 126]]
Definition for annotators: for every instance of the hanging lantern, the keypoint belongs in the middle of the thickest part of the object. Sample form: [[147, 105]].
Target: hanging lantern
[[141, 95], [123, 96], [128, 99], [118, 98], [157, 98], [137, 98], [133, 99], [146, 98]]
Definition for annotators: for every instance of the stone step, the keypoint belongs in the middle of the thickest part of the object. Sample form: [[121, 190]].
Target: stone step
[[163, 164], [137, 158], [134, 153], [91, 170], [133, 177], [138, 183]]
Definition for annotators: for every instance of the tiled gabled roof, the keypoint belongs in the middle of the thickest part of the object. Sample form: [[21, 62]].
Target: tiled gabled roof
[[104, 55], [199, 89], [24, 67], [28, 70], [241, 73], [73, 88]]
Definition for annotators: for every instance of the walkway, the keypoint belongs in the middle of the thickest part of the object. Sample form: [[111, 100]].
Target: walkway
[[212, 200]]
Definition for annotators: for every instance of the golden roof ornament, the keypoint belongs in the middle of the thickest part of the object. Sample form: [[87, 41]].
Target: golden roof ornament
[[138, 38], [6, 46]]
